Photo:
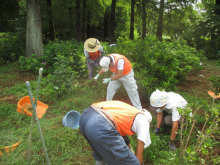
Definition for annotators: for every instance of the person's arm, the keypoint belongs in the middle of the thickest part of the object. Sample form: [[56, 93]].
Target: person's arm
[[139, 151], [118, 75], [159, 119], [174, 130], [90, 60], [102, 50], [88, 57], [101, 72]]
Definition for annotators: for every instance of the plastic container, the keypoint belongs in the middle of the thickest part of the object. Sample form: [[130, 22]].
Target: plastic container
[[71, 119], [9, 149], [25, 103], [213, 95]]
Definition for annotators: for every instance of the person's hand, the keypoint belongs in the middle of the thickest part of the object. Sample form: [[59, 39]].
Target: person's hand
[[157, 131], [96, 77], [106, 80]]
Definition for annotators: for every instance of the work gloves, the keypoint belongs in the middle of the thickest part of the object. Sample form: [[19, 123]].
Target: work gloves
[[157, 131], [106, 80], [96, 77]]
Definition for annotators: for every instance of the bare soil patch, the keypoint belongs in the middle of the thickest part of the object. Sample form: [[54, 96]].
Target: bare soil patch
[[197, 83]]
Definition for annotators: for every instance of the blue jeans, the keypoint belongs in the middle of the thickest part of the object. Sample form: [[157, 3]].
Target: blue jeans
[[106, 142]]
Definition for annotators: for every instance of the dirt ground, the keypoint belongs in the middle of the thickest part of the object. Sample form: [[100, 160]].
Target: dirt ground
[[197, 82]]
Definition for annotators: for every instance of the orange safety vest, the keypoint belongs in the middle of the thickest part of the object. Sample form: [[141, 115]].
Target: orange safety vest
[[94, 55], [123, 115], [127, 65]]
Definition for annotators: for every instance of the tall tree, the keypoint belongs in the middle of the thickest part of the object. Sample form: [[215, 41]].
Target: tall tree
[[50, 20], [132, 20], [160, 21], [217, 7], [112, 22], [78, 21], [143, 19], [34, 43], [84, 21]]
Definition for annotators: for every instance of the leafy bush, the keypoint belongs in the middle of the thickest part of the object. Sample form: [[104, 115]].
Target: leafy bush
[[68, 49], [30, 64], [59, 82], [10, 48], [215, 83], [159, 64], [205, 35]]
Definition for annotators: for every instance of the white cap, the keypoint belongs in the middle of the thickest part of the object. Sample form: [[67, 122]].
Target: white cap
[[104, 63], [158, 98]]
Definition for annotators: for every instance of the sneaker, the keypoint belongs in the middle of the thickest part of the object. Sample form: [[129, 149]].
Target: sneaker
[[157, 131], [172, 146]]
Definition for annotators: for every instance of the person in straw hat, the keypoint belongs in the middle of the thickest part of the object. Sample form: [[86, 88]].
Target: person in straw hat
[[123, 74], [93, 52]]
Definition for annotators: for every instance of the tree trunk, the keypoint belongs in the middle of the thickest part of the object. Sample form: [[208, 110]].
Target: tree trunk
[[160, 21], [143, 19], [88, 27], [34, 43], [84, 21], [106, 25], [112, 25], [217, 7], [78, 22], [132, 20], [52, 34]]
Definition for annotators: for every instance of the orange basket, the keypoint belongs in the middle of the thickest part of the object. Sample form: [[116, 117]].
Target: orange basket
[[25, 103], [9, 149], [213, 95]]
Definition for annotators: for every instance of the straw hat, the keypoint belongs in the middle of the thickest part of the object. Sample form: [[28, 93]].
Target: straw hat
[[92, 45]]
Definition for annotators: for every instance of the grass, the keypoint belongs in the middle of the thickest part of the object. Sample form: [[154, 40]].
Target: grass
[[68, 146]]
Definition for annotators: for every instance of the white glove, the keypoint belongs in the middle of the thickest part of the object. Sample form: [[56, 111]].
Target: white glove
[[96, 77], [106, 80]]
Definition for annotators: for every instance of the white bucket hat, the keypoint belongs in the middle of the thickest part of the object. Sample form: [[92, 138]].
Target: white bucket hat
[[92, 45], [158, 98], [104, 63]]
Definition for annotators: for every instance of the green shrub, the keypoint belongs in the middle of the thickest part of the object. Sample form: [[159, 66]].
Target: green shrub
[[159, 64], [68, 49], [11, 48], [30, 64], [59, 82]]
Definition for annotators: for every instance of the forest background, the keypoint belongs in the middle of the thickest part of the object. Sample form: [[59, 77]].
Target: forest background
[[164, 39]]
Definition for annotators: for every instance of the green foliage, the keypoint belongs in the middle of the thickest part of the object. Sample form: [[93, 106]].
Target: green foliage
[[216, 84], [30, 64], [59, 82], [203, 148], [10, 48], [70, 50], [205, 34], [159, 64]]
